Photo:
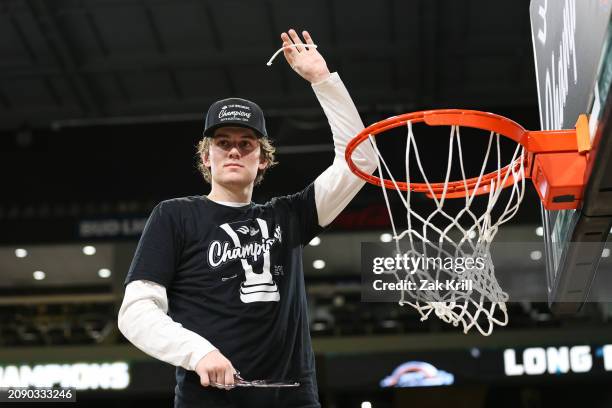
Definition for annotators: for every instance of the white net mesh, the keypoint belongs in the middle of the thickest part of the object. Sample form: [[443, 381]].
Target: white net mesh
[[463, 233]]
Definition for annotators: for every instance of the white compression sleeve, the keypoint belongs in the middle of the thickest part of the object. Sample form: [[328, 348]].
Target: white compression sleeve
[[144, 322], [337, 185]]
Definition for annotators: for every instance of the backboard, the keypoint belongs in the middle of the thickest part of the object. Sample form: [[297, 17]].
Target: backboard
[[573, 61]]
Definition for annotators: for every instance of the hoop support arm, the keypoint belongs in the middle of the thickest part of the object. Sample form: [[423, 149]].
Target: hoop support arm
[[559, 179], [558, 176]]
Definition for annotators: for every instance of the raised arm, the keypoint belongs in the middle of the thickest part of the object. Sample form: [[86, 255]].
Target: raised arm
[[337, 185]]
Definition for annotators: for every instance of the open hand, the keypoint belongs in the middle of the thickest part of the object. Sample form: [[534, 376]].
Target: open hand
[[306, 61]]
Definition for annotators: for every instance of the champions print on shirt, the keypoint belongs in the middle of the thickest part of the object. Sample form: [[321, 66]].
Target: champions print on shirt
[[250, 242]]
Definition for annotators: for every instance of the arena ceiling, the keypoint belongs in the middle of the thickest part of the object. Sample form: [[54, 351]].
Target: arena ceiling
[[85, 62], [101, 101]]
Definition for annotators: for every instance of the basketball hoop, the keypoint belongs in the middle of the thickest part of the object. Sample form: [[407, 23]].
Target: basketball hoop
[[555, 161]]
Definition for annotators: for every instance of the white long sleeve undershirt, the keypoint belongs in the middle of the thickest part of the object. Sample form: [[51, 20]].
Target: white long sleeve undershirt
[[143, 318]]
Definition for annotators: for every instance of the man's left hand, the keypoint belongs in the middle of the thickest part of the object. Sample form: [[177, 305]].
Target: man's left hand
[[306, 61]]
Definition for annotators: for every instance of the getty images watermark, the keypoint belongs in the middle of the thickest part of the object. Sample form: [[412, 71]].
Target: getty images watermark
[[410, 264], [420, 271], [447, 272]]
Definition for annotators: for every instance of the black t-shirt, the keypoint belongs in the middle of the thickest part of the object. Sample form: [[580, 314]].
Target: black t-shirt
[[234, 275]]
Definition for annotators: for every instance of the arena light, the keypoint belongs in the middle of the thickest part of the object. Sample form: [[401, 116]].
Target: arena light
[[21, 253], [319, 326], [605, 253], [389, 324], [39, 275], [318, 264], [386, 237], [539, 231], [89, 250], [339, 301], [104, 273], [315, 241], [535, 255], [366, 404]]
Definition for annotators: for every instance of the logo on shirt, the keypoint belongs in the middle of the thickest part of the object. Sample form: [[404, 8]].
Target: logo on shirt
[[251, 245], [278, 270], [222, 252], [246, 230], [229, 277]]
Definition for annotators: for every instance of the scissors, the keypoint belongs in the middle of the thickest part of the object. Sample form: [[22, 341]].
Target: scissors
[[241, 382]]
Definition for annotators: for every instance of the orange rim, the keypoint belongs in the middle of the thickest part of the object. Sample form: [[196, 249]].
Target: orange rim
[[533, 141]]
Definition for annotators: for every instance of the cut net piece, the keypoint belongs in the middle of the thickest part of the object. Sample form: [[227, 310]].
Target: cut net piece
[[464, 234]]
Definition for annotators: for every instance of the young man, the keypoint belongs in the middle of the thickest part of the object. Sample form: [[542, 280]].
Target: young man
[[216, 285]]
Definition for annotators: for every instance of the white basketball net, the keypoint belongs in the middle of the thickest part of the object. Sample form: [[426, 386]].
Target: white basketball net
[[466, 233]]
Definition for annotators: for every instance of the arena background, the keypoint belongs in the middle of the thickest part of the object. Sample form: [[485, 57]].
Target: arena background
[[101, 106]]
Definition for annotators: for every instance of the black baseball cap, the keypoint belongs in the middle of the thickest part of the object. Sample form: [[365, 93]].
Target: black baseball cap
[[235, 112]]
